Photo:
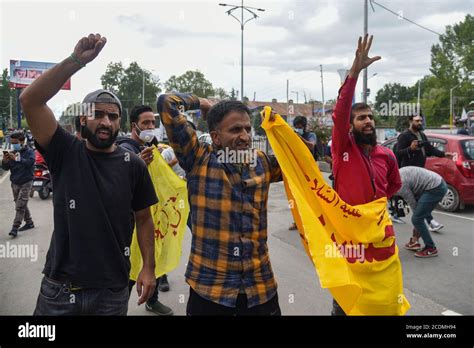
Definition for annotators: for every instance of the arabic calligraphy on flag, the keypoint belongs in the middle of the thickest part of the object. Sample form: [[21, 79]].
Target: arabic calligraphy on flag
[[169, 215], [352, 247]]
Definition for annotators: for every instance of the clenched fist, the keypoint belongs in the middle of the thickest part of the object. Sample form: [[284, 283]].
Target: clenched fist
[[89, 47]]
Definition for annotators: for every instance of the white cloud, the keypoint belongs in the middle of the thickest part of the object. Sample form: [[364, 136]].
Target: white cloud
[[288, 41]]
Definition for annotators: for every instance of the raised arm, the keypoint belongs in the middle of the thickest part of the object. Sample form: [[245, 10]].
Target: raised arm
[[39, 116], [342, 110], [181, 135]]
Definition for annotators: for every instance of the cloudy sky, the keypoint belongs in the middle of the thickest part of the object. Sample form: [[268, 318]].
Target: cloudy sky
[[288, 41]]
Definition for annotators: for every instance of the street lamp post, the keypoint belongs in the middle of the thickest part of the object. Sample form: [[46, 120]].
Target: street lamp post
[[451, 109], [143, 84], [242, 25], [367, 90]]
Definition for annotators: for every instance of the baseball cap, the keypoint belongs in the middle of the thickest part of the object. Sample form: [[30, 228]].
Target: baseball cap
[[103, 96]]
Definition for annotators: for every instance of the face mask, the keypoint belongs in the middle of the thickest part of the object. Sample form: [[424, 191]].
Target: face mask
[[299, 131], [16, 147], [145, 135]]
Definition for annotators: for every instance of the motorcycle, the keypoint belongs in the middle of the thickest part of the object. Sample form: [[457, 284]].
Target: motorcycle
[[42, 178]]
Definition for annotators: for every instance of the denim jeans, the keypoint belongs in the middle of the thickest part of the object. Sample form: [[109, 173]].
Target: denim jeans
[[59, 298], [424, 206]]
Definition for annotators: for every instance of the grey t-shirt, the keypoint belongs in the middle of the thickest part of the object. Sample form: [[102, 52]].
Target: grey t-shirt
[[415, 181]]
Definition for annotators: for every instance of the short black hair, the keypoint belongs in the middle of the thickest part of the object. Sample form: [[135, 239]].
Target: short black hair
[[358, 107], [220, 110], [137, 110], [77, 123], [411, 117], [300, 120], [18, 135]]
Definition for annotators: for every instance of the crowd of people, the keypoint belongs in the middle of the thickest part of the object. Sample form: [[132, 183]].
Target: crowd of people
[[100, 196]]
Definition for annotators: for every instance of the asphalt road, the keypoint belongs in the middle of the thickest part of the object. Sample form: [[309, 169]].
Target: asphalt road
[[434, 286]]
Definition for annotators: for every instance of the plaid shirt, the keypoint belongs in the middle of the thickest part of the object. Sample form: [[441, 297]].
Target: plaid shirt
[[229, 214]]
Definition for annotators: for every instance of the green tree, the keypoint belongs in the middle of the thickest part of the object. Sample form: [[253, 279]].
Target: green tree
[[5, 93], [452, 64], [221, 93], [190, 82], [127, 83]]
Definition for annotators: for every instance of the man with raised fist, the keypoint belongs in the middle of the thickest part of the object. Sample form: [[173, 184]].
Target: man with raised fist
[[96, 185]]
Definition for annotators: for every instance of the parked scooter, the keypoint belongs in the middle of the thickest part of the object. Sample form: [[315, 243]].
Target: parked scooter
[[42, 177]]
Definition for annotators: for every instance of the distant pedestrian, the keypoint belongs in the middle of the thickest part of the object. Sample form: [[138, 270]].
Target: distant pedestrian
[[20, 162], [422, 189]]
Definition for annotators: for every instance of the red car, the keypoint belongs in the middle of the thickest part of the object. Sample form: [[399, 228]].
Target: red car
[[457, 172]]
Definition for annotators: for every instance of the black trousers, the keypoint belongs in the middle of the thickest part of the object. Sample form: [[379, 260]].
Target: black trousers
[[198, 305], [336, 309]]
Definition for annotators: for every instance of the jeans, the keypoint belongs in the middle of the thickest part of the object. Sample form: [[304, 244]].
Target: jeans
[[62, 298], [21, 195], [198, 305], [154, 297], [424, 206]]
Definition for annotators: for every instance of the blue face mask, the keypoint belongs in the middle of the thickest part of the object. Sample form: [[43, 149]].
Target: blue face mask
[[299, 131], [16, 147]]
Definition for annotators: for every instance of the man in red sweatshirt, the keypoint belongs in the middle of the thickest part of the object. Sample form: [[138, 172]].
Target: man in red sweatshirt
[[363, 170]]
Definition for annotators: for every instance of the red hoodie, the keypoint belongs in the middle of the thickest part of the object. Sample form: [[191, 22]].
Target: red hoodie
[[359, 178]]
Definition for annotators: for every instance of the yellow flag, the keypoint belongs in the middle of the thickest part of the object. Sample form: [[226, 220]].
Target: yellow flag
[[170, 215], [352, 247]]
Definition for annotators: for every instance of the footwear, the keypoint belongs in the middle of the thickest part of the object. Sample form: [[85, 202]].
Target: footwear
[[159, 309], [427, 252], [435, 226], [413, 245], [293, 227], [163, 284], [13, 233], [26, 227], [397, 219]]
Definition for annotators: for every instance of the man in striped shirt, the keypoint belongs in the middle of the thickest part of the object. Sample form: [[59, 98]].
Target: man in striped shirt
[[229, 271]]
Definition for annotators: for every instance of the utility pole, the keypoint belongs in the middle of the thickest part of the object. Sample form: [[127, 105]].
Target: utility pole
[[287, 90], [254, 95], [304, 93], [322, 89], [143, 86], [242, 25], [451, 113], [11, 111], [364, 86]]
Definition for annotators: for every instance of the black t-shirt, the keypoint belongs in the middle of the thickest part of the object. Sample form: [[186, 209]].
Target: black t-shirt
[[94, 193]]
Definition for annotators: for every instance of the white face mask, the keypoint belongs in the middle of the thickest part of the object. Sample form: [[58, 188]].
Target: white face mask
[[299, 131], [146, 135]]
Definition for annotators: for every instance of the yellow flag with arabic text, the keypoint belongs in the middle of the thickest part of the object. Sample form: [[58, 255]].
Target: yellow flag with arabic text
[[170, 215], [352, 247]]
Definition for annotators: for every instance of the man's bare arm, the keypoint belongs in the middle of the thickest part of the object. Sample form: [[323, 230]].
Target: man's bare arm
[[39, 116], [145, 235]]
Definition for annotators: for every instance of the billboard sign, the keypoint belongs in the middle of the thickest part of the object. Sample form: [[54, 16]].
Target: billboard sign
[[24, 72]]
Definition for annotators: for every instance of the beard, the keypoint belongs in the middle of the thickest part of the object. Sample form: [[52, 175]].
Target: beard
[[418, 128], [94, 139], [366, 139]]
